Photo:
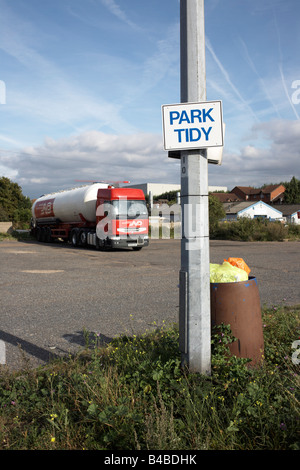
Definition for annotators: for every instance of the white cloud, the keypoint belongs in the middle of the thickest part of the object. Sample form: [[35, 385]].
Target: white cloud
[[92, 155], [272, 156], [118, 87]]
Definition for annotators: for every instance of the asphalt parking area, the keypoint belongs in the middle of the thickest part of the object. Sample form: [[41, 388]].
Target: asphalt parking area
[[52, 294]]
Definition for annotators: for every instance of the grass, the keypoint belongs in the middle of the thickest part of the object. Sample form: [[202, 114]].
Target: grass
[[133, 394]]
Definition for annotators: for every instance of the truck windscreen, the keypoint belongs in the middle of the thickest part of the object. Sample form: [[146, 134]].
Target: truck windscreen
[[129, 208]]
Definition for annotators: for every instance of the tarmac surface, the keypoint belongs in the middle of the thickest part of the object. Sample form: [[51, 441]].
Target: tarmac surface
[[52, 295]]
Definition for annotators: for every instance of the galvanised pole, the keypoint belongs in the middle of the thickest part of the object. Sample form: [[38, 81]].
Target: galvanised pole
[[194, 314]]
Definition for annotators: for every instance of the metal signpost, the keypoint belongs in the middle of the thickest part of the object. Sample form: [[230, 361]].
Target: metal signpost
[[194, 310], [189, 129]]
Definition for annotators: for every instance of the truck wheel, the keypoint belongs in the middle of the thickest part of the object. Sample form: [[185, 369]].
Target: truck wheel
[[43, 234], [83, 237], [48, 237], [39, 234], [98, 243], [74, 237]]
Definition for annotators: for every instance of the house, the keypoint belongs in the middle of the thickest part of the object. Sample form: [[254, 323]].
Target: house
[[291, 213], [227, 197], [273, 193], [252, 210]]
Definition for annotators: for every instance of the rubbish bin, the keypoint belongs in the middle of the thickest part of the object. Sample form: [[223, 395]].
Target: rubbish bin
[[238, 304]]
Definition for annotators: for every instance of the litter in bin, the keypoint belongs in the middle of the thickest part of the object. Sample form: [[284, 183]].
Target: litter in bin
[[227, 273], [239, 263]]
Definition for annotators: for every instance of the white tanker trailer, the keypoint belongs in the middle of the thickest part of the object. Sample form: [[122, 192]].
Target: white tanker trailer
[[98, 215]]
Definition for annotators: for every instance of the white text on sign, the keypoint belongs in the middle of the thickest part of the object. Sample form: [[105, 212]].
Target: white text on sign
[[192, 125]]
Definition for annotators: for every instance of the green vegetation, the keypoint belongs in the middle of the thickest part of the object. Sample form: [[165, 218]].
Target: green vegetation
[[133, 394], [14, 206], [171, 196], [216, 213], [245, 229], [292, 191]]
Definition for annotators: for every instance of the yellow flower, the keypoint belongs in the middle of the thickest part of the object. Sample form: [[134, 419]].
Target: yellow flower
[[52, 439]]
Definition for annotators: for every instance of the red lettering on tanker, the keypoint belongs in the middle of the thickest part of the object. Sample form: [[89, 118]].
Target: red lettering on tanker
[[44, 208]]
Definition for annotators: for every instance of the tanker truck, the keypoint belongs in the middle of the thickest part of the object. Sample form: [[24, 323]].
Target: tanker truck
[[99, 214]]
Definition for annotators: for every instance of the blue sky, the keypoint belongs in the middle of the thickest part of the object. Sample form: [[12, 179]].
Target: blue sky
[[82, 83]]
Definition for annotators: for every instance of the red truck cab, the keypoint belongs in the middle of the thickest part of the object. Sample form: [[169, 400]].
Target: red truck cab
[[122, 218]]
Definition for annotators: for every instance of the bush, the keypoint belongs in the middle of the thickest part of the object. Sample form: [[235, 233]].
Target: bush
[[294, 231], [245, 229], [241, 229], [275, 231]]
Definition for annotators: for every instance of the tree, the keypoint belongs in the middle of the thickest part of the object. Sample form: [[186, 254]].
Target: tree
[[292, 191], [3, 215], [216, 213], [171, 196], [14, 206]]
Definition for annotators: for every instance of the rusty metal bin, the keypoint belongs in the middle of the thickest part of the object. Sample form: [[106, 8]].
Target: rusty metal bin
[[238, 304]]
